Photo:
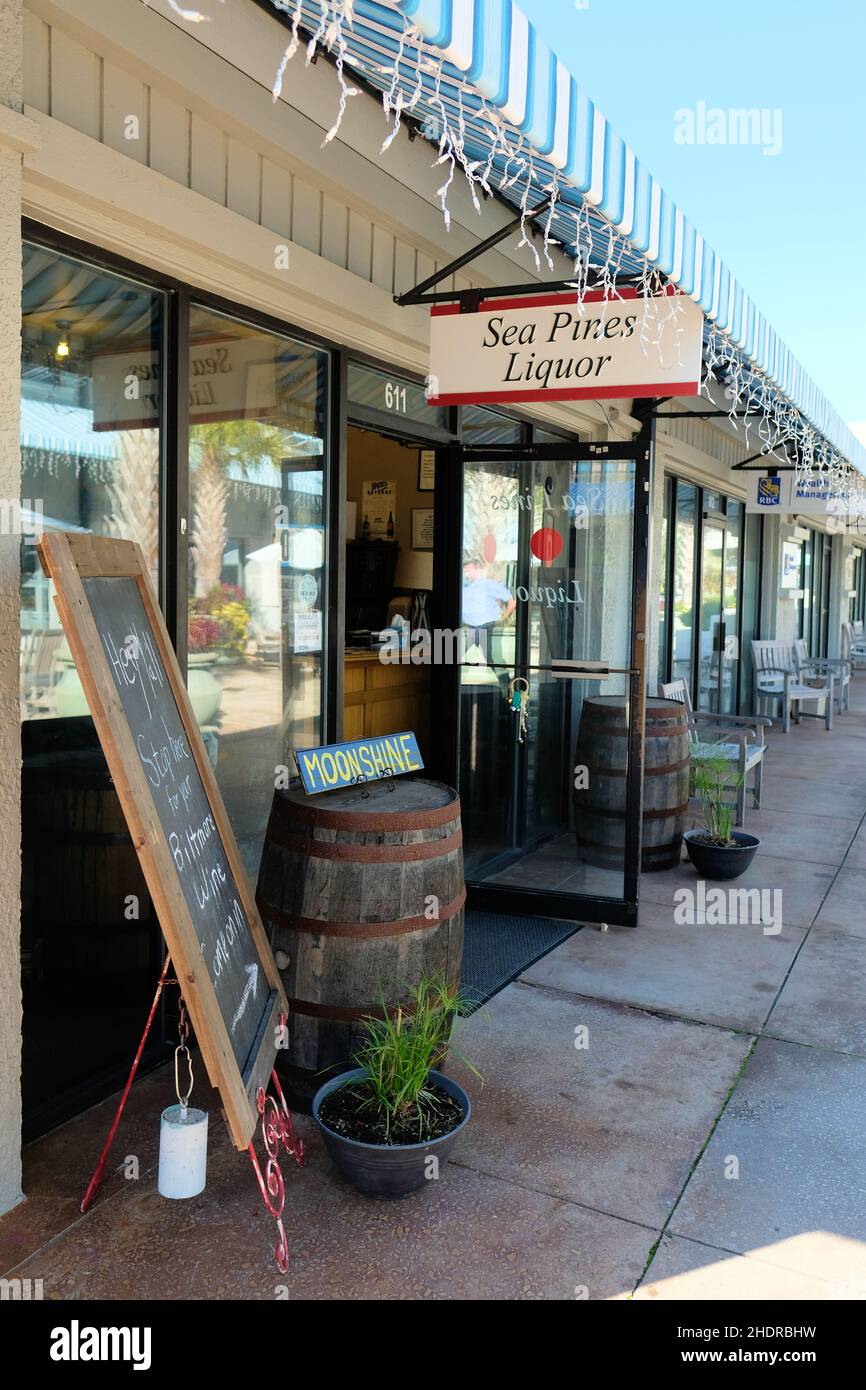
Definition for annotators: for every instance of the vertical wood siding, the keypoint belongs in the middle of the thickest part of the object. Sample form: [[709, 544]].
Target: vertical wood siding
[[95, 96]]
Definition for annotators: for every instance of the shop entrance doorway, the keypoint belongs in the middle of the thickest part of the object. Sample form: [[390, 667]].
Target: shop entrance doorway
[[541, 568]]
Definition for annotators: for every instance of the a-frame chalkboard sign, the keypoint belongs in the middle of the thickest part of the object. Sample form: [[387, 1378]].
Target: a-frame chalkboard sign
[[165, 783]]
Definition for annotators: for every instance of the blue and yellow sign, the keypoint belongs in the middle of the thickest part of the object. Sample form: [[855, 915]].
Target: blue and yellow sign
[[769, 492], [362, 760]]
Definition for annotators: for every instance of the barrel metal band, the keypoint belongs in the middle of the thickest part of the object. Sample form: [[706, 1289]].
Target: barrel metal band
[[360, 931], [647, 815], [665, 732], [648, 771], [284, 810], [365, 854]]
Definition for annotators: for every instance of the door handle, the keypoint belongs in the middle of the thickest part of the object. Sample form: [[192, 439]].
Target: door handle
[[564, 670]]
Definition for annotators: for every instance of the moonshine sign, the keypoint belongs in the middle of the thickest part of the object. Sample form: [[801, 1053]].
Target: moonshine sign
[[551, 347]]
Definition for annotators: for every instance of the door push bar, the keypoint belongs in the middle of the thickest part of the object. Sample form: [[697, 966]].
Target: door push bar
[[563, 670]]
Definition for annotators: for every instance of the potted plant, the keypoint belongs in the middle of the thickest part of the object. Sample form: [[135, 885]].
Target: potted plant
[[385, 1120], [715, 848]]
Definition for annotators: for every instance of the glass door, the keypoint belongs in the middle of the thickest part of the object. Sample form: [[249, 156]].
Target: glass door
[[549, 586], [821, 561], [718, 640]]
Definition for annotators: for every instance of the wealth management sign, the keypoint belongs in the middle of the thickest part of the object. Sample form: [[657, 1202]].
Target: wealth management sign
[[551, 348]]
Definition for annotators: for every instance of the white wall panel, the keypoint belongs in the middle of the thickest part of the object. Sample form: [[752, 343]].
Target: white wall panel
[[169, 137], [360, 258], [404, 267], [306, 215], [125, 113], [335, 230], [277, 199], [243, 182], [76, 85], [37, 40], [383, 259], [425, 266], [208, 156], [213, 129]]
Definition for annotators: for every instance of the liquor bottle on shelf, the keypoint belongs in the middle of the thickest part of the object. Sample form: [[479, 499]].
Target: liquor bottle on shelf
[[390, 527], [365, 529]]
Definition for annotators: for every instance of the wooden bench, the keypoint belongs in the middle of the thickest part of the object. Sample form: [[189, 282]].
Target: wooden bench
[[740, 741], [777, 677]]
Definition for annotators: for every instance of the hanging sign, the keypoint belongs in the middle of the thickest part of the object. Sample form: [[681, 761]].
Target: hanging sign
[[176, 817], [549, 348], [790, 494], [768, 496], [362, 760]]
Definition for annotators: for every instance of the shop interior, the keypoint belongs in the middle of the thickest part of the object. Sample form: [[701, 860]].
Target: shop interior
[[389, 577]]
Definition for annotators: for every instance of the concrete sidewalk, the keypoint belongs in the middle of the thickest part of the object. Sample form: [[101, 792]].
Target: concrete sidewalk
[[675, 1112]]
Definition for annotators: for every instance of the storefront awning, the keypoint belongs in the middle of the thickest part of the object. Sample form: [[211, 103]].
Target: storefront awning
[[483, 84]]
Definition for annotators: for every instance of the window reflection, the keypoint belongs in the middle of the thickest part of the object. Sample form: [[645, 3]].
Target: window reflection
[[257, 557], [683, 597], [90, 416], [91, 949]]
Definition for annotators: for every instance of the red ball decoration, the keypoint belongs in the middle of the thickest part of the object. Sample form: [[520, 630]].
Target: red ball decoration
[[546, 544]]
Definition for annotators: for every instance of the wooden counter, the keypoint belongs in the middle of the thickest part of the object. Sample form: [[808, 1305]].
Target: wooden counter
[[380, 698]]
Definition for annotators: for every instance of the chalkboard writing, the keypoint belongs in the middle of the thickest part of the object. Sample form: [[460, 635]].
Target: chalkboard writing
[[166, 786], [209, 888]]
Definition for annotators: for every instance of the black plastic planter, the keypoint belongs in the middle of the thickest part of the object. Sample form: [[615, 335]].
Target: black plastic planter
[[384, 1170], [721, 861]]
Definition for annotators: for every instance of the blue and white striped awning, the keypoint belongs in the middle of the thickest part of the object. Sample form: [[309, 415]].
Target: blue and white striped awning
[[474, 58]]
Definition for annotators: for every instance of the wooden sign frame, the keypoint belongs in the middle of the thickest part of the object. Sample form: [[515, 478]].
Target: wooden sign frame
[[68, 558]]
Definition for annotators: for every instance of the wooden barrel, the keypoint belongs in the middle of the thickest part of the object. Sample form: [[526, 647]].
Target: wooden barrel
[[599, 808], [361, 897]]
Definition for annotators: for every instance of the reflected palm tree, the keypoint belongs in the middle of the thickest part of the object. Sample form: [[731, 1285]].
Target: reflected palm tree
[[215, 449], [133, 495]]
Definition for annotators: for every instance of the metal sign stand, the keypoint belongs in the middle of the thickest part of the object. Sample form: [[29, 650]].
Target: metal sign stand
[[276, 1124]]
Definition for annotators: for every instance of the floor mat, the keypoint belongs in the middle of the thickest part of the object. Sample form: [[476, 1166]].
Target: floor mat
[[498, 947]]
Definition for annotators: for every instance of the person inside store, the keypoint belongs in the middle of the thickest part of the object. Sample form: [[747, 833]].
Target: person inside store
[[486, 605]]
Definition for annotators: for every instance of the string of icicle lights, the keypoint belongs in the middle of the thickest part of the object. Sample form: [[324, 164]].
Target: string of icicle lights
[[471, 137]]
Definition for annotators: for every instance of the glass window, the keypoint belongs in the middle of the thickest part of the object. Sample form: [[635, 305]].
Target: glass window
[[683, 596], [91, 411], [481, 426], [751, 603], [91, 408], [664, 598], [258, 575], [792, 586], [852, 582], [393, 395]]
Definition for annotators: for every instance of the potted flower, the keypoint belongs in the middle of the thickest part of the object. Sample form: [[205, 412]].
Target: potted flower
[[205, 638], [715, 848], [228, 605], [384, 1121]]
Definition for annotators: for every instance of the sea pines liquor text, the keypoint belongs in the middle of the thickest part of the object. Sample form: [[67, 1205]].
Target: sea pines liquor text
[[568, 334]]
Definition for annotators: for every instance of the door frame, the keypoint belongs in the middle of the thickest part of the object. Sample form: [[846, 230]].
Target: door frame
[[726, 523], [445, 681]]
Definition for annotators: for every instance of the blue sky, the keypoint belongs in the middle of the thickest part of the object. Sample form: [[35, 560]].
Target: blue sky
[[791, 226]]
